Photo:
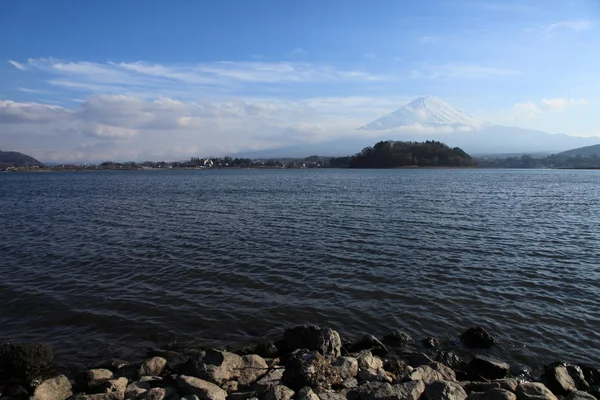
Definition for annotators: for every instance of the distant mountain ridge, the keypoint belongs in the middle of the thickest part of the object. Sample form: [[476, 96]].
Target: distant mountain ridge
[[14, 158], [587, 151]]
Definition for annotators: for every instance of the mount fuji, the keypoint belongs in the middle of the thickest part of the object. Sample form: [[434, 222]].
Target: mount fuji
[[431, 118]]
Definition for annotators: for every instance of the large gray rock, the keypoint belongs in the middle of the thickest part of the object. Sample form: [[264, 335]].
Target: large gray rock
[[444, 390], [306, 393], [272, 378], [493, 394], [348, 367], [371, 343], [397, 338], [310, 369], [563, 379], [509, 384], [153, 367], [93, 380], [201, 388], [134, 389], [222, 366], [100, 396], [279, 392], [370, 368], [114, 385], [488, 368], [534, 391], [477, 337], [433, 372], [580, 395], [58, 388], [311, 337], [158, 393], [23, 361], [339, 396], [385, 391]]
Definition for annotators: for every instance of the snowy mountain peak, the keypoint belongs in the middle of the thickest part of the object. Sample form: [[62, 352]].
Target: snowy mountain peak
[[426, 111]]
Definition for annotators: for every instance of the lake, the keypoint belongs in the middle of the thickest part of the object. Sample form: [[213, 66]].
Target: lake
[[108, 264]]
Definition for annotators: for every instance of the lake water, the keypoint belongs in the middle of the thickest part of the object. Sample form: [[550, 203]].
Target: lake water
[[102, 264]]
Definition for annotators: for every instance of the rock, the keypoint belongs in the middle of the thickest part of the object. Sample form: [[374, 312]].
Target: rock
[[100, 396], [93, 380], [201, 388], [136, 388], [563, 379], [534, 391], [396, 338], [477, 338], [311, 337], [433, 372], [190, 397], [509, 384], [312, 369], [347, 366], [230, 387], [487, 368], [418, 359], [152, 367], [23, 361], [493, 394], [334, 396], [158, 393], [385, 391], [371, 368], [580, 395], [279, 392], [306, 393], [222, 366], [430, 343], [272, 378], [58, 388], [17, 391], [114, 385], [449, 359], [398, 368], [591, 375], [350, 383], [371, 343], [444, 390]]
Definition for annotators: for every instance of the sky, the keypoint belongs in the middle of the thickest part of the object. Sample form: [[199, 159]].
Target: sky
[[88, 81]]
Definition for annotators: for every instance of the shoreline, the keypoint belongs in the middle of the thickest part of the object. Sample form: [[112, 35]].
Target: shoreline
[[307, 362]]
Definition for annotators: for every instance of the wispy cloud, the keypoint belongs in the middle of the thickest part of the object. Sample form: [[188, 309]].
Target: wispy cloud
[[574, 25], [370, 56], [17, 65], [298, 51], [37, 91], [429, 39], [533, 110], [452, 71]]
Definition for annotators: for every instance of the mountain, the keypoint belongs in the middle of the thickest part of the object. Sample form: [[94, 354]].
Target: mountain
[[13, 158], [434, 119], [587, 151], [427, 112]]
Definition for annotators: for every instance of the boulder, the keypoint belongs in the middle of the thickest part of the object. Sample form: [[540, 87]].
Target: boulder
[[371, 343], [450, 359], [190, 397], [331, 396], [24, 361], [350, 383], [222, 366], [114, 385], [253, 367], [347, 366], [272, 378], [152, 367], [396, 338], [591, 375], [311, 337], [398, 368], [509, 384], [201, 388], [418, 359], [100, 396], [477, 338], [58, 388], [432, 372], [493, 394], [279, 392], [134, 389], [534, 391], [93, 380], [385, 391], [371, 368], [444, 390], [487, 368], [306, 393], [242, 395], [580, 395], [310, 368], [563, 379], [158, 393]]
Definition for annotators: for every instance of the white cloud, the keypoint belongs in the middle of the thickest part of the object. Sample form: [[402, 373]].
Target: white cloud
[[452, 71], [574, 25], [298, 51], [17, 65], [36, 91], [532, 110]]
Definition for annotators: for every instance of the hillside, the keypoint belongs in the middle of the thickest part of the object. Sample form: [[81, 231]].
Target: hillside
[[587, 151], [393, 154], [14, 158]]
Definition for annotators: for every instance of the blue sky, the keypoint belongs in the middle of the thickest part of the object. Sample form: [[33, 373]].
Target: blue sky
[[93, 80]]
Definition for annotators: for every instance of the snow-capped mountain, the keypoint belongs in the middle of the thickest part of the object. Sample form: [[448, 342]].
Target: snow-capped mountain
[[426, 111]]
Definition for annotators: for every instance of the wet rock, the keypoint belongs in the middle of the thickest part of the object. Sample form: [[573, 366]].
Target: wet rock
[[444, 390], [279, 392], [493, 394], [509, 384], [16, 391], [385, 391], [201, 388], [304, 368], [563, 379], [591, 375], [396, 338], [477, 338], [114, 364], [58, 388], [311, 337], [24, 361], [418, 359], [347, 366], [265, 350], [433, 372], [222, 366], [487, 368], [371, 343], [450, 359], [153, 367], [430, 343], [272, 378], [398, 368], [114, 385], [100, 396], [306, 393], [136, 388], [580, 395], [534, 391], [93, 380], [370, 368]]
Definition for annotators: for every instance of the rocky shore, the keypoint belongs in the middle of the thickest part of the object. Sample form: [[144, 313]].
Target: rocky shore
[[308, 363]]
